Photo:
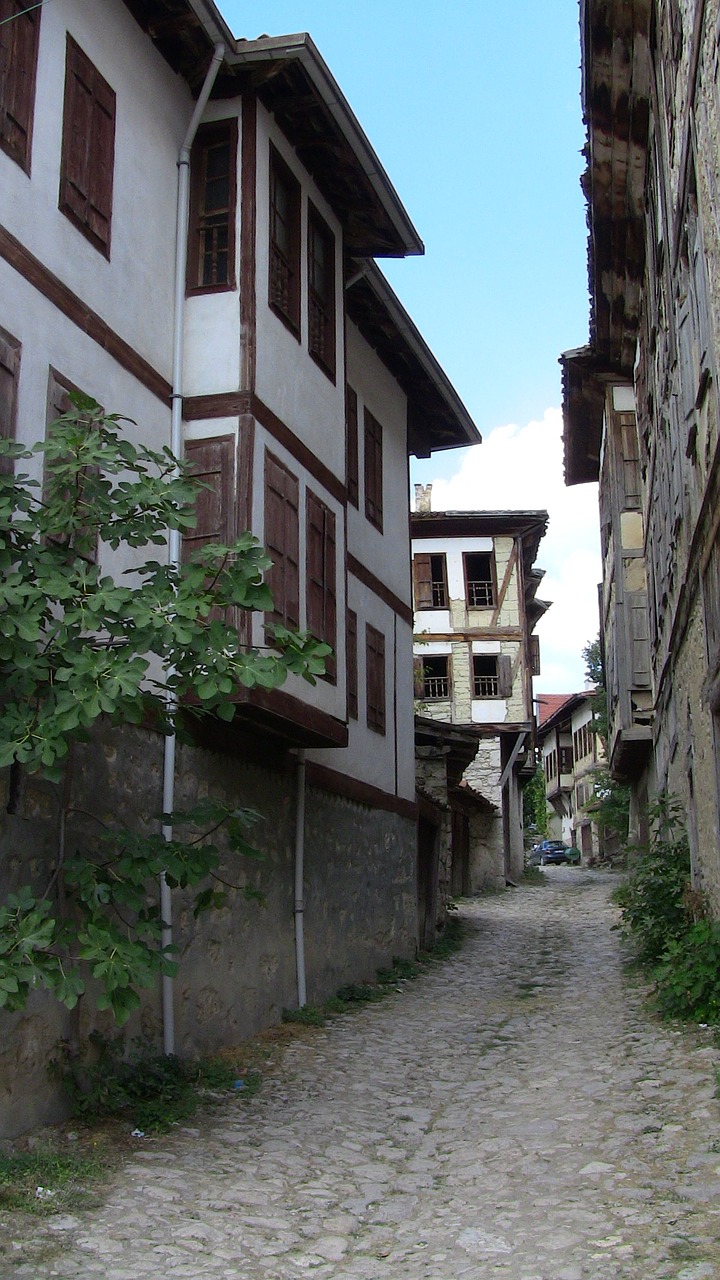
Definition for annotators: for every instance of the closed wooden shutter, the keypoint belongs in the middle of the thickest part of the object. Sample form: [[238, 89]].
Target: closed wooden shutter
[[375, 678], [418, 678], [212, 463], [352, 665], [504, 667], [282, 540], [9, 372], [58, 404], [321, 593], [88, 150], [19, 33], [535, 655], [373, 471], [351, 445], [422, 582]]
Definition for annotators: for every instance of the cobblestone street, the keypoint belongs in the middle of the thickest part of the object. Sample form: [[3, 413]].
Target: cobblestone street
[[514, 1114]]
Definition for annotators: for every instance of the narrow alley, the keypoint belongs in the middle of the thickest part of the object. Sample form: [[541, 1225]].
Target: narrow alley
[[515, 1113]]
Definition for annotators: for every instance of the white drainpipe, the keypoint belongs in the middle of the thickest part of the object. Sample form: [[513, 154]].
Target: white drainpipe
[[299, 876], [174, 541]]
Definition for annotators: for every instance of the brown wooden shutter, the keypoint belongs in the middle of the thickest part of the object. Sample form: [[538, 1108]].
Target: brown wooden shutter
[[19, 37], [351, 445], [284, 246], [86, 174], [504, 666], [535, 655], [373, 471], [9, 371], [422, 582], [375, 678], [352, 665], [321, 572], [58, 404], [418, 678], [282, 539], [212, 463]]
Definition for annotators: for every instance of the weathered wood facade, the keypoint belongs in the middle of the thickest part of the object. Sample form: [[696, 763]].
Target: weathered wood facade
[[641, 401]]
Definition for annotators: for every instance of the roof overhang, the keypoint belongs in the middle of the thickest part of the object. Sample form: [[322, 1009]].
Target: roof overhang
[[437, 417], [294, 83], [529, 526], [616, 107]]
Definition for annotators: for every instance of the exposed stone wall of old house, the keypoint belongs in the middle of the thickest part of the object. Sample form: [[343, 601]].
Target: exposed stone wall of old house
[[237, 965], [487, 871]]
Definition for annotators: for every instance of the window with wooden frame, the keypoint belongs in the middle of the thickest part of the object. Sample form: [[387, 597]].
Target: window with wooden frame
[[9, 375], [373, 469], [58, 404], [492, 675], [430, 581], [375, 678], [436, 677], [352, 468], [321, 600], [480, 584], [213, 202], [565, 760], [321, 292], [19, 39], [352, 664], [88, 149], [282, 540], [284, 278]]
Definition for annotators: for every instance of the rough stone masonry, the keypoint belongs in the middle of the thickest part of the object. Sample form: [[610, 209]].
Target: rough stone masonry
[[515, 1114]]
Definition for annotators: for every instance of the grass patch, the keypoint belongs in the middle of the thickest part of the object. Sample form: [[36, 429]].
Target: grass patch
[[46, 1180]]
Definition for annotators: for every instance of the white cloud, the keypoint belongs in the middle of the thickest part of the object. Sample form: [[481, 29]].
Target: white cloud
[[521, 468]]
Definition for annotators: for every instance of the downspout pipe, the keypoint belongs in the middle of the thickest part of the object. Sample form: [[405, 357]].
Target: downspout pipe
[[299, 879], [174, 541]]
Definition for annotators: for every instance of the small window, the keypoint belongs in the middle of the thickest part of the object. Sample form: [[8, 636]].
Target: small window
[[352, 664], [486, 676], [321, 575], [213, 196], [430, 581], [375, 678], [351, 445], [19, 33], [480, 579], [282, 539], [436, 677], [373, 470], [321, 292], [284, 282], [566, 760], [9, 374], [88, 149]]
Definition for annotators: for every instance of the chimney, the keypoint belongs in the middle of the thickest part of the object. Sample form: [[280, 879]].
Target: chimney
[[423, 495]]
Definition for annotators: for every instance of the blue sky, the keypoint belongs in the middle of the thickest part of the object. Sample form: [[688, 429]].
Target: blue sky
[[473, 108]]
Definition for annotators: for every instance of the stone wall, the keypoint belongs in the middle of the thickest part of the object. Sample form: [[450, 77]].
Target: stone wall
[[237, 965]]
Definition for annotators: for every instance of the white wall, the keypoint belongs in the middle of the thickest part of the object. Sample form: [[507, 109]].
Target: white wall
[[133, 291]]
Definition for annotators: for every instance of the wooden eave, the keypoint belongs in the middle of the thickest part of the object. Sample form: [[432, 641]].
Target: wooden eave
[[530, 526], [291, 79], [616, 107], [437, 418]]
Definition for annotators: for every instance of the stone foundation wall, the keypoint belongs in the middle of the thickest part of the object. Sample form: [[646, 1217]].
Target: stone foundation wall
[[237, 964]]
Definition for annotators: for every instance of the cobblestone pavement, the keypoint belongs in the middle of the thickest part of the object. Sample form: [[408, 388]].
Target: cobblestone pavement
[[513, 1114]]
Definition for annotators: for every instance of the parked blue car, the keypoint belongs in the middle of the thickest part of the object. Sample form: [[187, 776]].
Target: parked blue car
[[549, 852]]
